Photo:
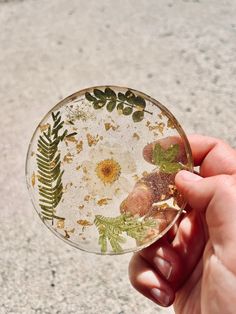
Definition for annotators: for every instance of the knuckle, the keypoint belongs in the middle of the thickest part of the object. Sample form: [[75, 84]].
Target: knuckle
[[220, 142]]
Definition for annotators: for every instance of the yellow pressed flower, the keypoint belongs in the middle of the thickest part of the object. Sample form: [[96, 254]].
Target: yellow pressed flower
[[108, 170]]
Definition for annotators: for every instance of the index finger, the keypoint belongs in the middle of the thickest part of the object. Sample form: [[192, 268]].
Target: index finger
[[212, 155]]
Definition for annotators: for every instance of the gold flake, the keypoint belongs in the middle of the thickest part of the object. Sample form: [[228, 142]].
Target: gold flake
[[78, 167], [103, 201], [117, 191], [109, 126], [159, 127], [81, 206], [136, 136], [84, 222], [60, 223], [70, 184], [163, 206], [172, 189], [68, 158], [92, 140], [67, 232], [87, 198], [160, 115], [33, 178], [85, 170], [79, 147], [71, 139], [44, 127], [136, 177], [163, 196]]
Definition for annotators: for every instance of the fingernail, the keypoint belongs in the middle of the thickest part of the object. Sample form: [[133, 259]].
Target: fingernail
[[160, 296], [189, 176], [163, 266]]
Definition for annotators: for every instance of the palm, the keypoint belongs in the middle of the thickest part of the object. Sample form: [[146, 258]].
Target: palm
[[188, 298]]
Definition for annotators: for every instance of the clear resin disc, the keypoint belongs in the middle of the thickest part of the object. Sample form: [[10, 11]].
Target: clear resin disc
[[101, 166]]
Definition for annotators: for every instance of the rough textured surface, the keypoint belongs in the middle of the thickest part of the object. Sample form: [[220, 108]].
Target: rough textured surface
[[180, 52]]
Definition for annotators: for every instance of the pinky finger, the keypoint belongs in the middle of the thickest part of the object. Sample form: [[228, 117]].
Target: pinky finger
[[149, 283]]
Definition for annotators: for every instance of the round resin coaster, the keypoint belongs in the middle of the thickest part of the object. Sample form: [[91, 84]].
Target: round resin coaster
[[101, 166]]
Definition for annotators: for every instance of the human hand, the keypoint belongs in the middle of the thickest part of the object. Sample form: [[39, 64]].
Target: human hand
[[197, 270]]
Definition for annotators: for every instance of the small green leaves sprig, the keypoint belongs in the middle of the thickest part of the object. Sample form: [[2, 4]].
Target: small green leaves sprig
[[49, 168], [111, 228], [125, 104], [165, 159]]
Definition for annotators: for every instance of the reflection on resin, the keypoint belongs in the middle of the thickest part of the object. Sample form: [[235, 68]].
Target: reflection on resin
[[101, 168]]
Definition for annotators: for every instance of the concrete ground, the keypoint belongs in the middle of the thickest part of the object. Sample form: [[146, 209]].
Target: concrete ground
[[180, 52]]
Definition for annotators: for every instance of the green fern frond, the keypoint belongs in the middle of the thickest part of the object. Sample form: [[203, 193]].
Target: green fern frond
[[111, 228], [49, 168]]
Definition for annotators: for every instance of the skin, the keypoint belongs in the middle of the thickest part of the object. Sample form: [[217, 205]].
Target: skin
[[195, 270]]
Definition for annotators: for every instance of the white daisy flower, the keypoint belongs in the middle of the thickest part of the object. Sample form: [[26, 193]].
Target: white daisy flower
[[105, 171]]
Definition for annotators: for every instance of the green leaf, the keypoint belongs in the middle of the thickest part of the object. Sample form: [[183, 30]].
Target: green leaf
[[127, 111], [99, 94], [171, 167], [89, 97], [157, 155], [120, 106], [111, 105], [161, 155], [172, 152], [140, 102], [121, 97], [71, 134], [165, 158], [130, 97], [110, 93], [98, 104], [138, 116]]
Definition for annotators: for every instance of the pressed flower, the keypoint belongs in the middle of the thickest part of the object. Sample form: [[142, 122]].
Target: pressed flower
[[107, 170]]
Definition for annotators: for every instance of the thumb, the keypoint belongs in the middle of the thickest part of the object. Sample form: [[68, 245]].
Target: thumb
[[196, 191], [215, 196], [199, 192]]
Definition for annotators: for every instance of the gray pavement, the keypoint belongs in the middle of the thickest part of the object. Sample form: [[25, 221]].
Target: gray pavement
[[180, 52]]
